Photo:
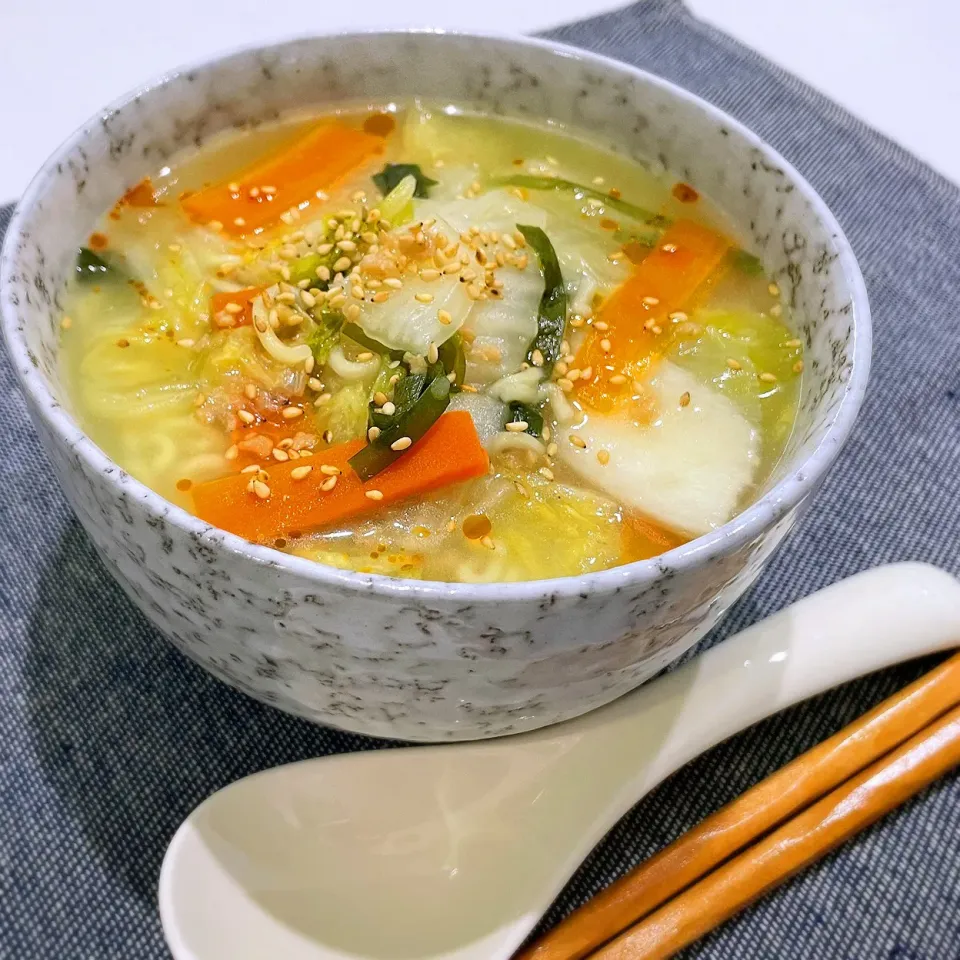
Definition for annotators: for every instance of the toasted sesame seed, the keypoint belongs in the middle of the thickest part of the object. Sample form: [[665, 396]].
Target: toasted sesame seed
[[552, 449], [685, 399], [733, 364], [279, 454], [322, 399], [261, 489], [356, 291], [452, 268], [352, 311], [373, 433], [252, 468], [344, 263], [364, 356], [600, 325], [291, 413], [424, 298], [605, 345], [308, 299], [565, 385], [768, 377], [577, 441], [517, 426], [401, 444], [603, 456], [488, 543], [536, 358], [444, 317], [246, 416], [546, 472], [314, 384], [433, 354], [298, 473], [798, 367], [347, 246], [393, 282], [389, 408], [373, 494], [380, 398], [328, 484], [617, 379]]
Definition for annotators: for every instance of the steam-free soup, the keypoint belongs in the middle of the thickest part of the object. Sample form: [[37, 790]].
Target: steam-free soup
[[422, 342]]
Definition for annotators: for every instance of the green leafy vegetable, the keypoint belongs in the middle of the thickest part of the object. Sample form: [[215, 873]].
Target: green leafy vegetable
[[92, 268], [326, 334], [391, 175], [413, 423], [552, 313], [454, 359], [745, 262], [531, 182], [524, 413]]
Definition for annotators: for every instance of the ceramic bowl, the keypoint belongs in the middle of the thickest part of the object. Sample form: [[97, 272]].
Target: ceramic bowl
[[397, 658]]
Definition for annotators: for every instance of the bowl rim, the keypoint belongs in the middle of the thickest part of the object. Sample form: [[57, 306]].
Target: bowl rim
[[802, 477]]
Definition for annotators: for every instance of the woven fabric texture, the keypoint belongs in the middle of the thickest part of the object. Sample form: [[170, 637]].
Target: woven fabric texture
[[109, 738]]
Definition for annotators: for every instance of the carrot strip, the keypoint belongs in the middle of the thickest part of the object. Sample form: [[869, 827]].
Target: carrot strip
[[641, 539], [663, 282], [450, 452], [316, 161], [140, 194], [241, 298]]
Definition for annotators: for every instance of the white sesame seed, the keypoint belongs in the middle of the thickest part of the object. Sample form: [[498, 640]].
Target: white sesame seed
[[322, 399], [444, 317], [298, 473], [401, 444], [424, 298], [517, 426], [352, 311], [768, 377], [279, 454], [344, 263], [261, 489], [577, 441], [650, 301], [292, 413], [365, 356], [552, 449], [328, 484], [733, 364], [185, 342], [546, 472], [373, 494], [394, 282], [246, 416], [389, 408], [373, 433]]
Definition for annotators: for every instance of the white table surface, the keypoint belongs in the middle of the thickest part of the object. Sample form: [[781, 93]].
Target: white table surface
[[893, 64]]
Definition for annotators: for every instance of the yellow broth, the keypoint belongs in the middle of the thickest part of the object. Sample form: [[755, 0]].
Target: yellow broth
[[180, 393]]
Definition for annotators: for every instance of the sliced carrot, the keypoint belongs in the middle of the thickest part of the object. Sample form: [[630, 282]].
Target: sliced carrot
[[140, 194], [316, 161], [239, 298], [663, 282], [641, 539], [450, 452]]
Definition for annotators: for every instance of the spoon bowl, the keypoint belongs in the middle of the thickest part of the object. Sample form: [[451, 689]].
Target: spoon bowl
[[455, 852]]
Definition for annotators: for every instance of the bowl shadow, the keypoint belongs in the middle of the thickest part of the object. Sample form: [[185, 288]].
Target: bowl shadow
[[130, 733]]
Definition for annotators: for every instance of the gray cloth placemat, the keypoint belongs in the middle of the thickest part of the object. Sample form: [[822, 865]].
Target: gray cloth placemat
[[108, 737]]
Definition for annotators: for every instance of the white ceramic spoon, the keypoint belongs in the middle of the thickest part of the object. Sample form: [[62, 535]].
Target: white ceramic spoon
[[455, 852]]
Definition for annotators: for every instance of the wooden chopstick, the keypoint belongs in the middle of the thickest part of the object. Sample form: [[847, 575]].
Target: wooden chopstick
[[769, 803], [804, 839]]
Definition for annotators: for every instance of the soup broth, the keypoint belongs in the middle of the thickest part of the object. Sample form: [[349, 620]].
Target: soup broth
[[422, 342]]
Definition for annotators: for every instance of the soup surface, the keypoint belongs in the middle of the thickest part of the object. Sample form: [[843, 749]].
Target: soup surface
[[416, 341]]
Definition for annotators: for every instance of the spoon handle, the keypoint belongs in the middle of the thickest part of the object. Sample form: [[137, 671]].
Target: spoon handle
[[883, 616]]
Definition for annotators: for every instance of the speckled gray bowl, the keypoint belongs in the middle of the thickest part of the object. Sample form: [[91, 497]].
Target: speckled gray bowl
[[393, 658]]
